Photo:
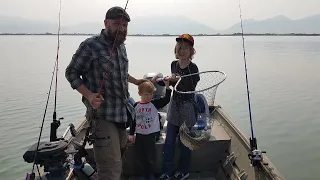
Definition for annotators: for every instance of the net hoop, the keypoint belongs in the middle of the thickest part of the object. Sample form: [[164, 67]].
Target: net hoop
[[222, 74]]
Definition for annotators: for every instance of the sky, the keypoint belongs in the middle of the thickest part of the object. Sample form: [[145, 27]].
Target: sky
[[218, 14]]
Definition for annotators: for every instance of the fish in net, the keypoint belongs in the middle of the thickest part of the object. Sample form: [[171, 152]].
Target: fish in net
[[204, 94]]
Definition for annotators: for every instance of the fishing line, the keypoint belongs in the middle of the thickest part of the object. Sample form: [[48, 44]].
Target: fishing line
[[44, 116], [48, 97]]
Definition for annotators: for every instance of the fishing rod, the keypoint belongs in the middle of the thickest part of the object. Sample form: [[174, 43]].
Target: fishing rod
[[91, 138], [42, 153], [55, 122], [256, 154], [87, 138], [112, 50]]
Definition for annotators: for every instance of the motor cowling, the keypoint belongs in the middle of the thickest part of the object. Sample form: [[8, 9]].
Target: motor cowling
[[51, 155], [161, 89]]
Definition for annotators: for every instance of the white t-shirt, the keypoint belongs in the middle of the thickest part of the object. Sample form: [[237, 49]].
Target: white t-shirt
[[147, 119], [146, 115]]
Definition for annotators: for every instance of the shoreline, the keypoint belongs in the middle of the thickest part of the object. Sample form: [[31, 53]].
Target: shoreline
[[159, 35]]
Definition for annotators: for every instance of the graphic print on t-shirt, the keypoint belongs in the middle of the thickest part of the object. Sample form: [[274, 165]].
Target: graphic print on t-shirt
[[147, 120], [144, 118]]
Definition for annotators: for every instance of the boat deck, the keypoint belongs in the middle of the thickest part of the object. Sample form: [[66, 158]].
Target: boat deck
[[205, 161], [224, 157]]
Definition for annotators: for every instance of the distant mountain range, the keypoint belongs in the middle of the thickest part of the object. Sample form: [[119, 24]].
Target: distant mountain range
[[279, 24], [167, 25]]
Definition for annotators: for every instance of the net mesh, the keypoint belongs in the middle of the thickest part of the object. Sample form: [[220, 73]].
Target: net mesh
[[207, 85], [207, 88]]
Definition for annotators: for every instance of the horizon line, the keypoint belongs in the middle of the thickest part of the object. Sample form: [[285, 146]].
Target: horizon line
[[166, 34]]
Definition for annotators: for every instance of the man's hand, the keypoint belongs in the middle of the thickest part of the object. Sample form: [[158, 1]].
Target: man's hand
[[139, 81], [95, 100], [134, 80]]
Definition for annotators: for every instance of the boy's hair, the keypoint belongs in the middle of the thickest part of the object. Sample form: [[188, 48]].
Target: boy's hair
[[146, 86], [178, 46]]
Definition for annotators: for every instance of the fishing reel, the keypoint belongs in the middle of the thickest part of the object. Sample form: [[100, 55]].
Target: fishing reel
[[54, 127], [256, 156]]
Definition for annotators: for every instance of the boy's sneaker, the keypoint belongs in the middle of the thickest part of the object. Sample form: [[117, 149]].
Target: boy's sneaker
[[180, 176], [164, 177]]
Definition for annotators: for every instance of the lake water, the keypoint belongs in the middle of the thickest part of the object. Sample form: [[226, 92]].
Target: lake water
[[283, 79]]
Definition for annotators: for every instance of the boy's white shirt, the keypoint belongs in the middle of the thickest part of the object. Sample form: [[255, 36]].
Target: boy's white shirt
[[147, 119]]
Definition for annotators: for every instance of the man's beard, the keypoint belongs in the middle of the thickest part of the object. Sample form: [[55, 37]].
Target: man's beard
[[121, 36]]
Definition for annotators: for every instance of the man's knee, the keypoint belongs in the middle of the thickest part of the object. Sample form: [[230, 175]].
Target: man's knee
[[108, 160], [109, 172], [106, 152], [107, 145]]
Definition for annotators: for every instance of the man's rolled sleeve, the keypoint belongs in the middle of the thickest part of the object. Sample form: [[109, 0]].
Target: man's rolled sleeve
[[79, 65]]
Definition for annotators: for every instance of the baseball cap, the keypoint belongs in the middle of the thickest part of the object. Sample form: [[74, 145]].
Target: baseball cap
[[187, 37], [116, 12]]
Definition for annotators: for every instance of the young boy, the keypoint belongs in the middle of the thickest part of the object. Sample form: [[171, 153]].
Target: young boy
[[146, 125]]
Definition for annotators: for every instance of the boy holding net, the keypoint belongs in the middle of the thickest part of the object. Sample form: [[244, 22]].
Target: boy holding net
[[146, 125], [181, 108]]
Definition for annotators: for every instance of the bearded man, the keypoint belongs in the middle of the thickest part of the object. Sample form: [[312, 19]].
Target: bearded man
[[103, 59]]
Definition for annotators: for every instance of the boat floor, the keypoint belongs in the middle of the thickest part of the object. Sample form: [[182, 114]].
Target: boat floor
[[193, 176]]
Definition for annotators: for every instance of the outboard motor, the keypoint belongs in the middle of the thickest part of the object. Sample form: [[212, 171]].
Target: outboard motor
[[51, 155], [161, 89]]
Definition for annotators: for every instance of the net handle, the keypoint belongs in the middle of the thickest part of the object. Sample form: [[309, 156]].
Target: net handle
[[202, 72]]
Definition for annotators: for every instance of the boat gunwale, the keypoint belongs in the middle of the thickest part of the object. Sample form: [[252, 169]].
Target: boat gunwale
[[270, 168]]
